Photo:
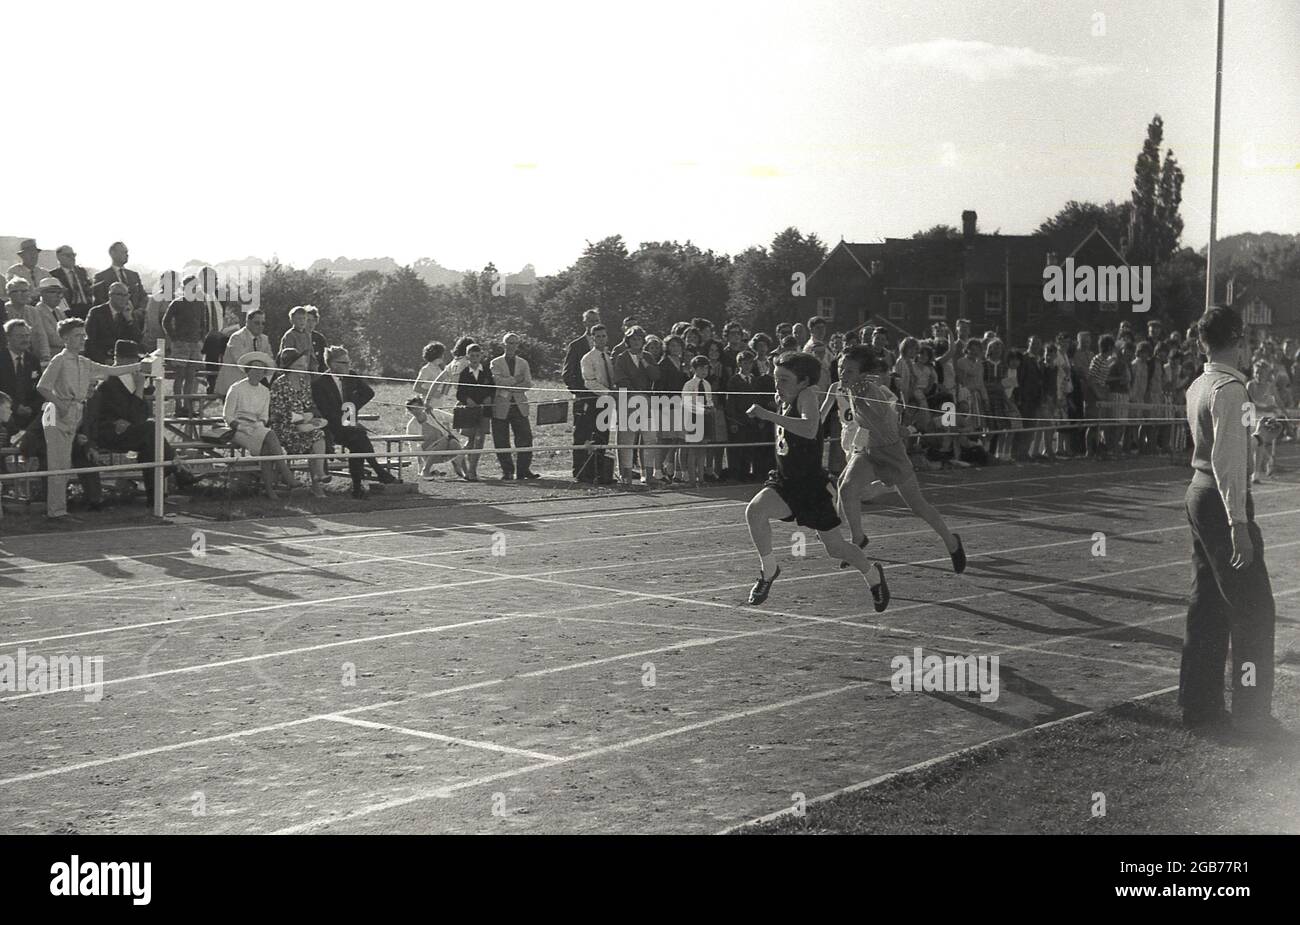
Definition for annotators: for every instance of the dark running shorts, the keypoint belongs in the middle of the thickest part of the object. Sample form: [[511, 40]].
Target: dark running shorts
[[811, 503]]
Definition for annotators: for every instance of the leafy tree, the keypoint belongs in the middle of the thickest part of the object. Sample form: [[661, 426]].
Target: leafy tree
[[1157, 194], [400, 322], [1077, 219]]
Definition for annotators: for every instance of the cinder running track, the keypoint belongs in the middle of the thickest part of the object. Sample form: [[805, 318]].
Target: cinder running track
[[577, 665]]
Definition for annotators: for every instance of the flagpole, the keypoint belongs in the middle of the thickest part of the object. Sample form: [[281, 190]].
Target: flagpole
[[1214, 175]]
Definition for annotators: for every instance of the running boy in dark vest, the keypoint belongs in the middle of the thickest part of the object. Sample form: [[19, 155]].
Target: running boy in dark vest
[[800, 489]]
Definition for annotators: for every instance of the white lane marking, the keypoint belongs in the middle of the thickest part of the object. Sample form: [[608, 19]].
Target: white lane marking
[[438, 737]]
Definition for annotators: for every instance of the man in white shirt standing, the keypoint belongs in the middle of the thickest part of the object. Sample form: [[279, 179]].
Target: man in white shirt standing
[[598, 380], [513, 378], [1232, 598]]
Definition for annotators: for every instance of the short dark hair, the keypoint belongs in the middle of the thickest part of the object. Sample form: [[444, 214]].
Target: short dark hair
[[433, 350], [789, 342], [816, 320], [700, 360], [1106, 343], [805, 366], [1219, 327], [594, 328], [699, 323]]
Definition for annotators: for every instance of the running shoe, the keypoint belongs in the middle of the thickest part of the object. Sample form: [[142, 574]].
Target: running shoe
[[958, 556], [880, 592], [763, 587]]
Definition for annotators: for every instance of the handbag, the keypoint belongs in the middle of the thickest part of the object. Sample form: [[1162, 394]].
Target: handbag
[[467, 417]]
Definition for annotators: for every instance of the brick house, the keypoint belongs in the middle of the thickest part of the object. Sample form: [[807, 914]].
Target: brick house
[[995, 280]]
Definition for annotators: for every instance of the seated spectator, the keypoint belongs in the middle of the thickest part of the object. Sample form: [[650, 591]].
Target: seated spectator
[[43, 318], [294, 418], [330, 393], [20, 372], [76, 282], [117, 272], [247, 411], [26, 268], [18, 292], [108, 323], [119, 417]]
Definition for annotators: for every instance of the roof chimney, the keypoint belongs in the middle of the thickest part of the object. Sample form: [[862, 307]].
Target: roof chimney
[[968, 226]]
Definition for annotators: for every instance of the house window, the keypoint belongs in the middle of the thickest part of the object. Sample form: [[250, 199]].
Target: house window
[[826, 307], [1258, 314], [992, 301], [897, 311], [939, 307], [876, 267]]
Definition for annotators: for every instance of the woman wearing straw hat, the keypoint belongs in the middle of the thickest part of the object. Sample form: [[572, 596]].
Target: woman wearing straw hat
[[247, 410], [294, 417]]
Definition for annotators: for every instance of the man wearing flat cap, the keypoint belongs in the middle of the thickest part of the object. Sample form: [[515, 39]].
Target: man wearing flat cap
[[108, 323], [26, 267], [118, 273], [119, 416], [75, 280], [44, 317]]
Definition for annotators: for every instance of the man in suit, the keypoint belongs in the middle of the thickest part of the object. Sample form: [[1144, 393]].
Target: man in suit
[[598, 381], [331, 392], [43, 318], [510, 409], [118, 418], [108, 323], [75, 280], [118, 273], [635, 371], [247, 339], [583, 401], [20, 370], [26, 268]]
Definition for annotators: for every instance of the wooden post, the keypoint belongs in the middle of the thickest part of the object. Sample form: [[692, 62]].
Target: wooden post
[[158, 475]]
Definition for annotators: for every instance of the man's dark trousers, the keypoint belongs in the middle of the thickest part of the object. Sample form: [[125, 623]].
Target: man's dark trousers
[[501, 430], [586, 465], [1226, 604], [140, 438], [584, 426]]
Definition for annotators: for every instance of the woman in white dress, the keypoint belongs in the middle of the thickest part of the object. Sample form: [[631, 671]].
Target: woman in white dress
[[443, 383], [247, 408]]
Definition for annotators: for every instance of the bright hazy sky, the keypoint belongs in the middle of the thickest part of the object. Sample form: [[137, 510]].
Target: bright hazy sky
[[515, 132]]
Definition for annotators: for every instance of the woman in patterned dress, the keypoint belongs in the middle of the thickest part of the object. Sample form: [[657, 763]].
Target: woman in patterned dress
[[294, 417]]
